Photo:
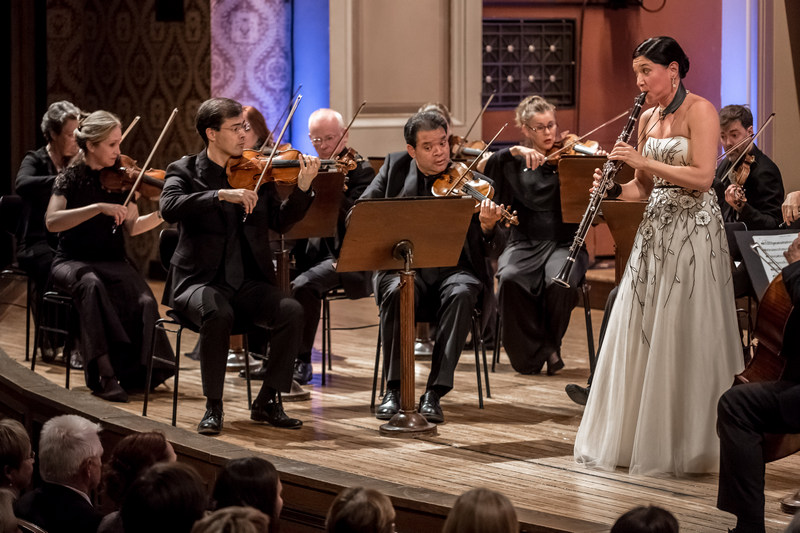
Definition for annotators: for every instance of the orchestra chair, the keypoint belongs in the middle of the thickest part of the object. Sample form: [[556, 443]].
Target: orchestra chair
[[584, 287], [10, 212], [56, 308], [332, 295], [478, 344], [175, 323]]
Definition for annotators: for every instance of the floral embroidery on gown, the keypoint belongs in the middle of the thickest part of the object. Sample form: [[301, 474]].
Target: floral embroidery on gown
[[672, 345]]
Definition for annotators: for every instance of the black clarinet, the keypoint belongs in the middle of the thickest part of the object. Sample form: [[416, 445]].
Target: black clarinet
[[610, 169]]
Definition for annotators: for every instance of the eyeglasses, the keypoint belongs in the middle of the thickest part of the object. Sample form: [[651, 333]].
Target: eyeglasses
[[316, 141], [236, 128], [538, 129]]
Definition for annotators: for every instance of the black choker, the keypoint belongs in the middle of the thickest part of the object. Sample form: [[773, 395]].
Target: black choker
[[680, 96]]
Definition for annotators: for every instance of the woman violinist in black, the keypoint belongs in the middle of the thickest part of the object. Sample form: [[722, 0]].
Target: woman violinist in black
[[116, 307], [535, 311]]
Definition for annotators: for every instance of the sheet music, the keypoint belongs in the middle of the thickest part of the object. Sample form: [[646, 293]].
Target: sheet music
[[770, 250]]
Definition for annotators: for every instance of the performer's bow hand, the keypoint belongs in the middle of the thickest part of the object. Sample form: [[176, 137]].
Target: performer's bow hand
[[791, 207], [245, 197], [793, 253]]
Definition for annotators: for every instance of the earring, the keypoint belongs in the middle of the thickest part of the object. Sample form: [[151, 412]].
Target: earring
[[673, 83]]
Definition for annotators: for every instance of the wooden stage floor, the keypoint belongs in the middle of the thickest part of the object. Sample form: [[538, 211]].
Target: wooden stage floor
[[520, 444]]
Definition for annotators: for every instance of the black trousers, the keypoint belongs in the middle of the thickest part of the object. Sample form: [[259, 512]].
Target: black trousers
[[449, 296], [535, 311], [215, 309], [745, 413], [308, 289], [117, 312]]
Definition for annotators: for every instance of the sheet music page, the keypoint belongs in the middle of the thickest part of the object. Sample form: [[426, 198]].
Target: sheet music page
[[770, 250]]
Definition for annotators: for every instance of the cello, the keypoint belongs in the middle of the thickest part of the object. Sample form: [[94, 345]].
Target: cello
[[768, 362]]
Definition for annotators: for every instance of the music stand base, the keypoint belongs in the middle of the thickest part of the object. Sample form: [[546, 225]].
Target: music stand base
[[407, 424], [791, 504]]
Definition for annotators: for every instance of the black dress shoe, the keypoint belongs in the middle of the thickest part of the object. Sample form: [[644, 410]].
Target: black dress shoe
[[211, 424], [111, 391], [554, 364], [272, 413], [577, 394], [429, 407], [303, 372], [257, 374], [389, 406]]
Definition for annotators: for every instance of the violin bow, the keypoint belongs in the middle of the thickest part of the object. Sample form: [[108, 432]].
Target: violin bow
[[150, 157], [275, 146], [477, 158], [603, 125], [360, 108], [288, 107], [753, 138], [480, 114], [130, 127]]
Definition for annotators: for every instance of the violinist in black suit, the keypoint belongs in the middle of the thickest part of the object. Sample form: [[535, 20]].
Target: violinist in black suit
[[756, 203], [746, 412], [222, 270], [456, 290]]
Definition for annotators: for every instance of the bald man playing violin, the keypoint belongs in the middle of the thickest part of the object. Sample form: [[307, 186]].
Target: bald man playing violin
[[452, 292], [757, 203], [315, 258], [222, 271]]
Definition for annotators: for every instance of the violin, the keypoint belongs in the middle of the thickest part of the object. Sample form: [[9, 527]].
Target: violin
[[570, 144], [739, 177], [460, 148], [244, 171], [458, 180], [122, 176]]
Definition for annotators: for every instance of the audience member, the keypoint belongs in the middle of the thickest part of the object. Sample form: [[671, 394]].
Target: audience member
[[130, 458], [650, 519], [253, 482], [16, 457], [233, 520], [167, 498], [8, 522], [360, 510], [70, 461], [481, 511]]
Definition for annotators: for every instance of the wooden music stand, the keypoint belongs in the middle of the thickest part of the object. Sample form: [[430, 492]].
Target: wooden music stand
[[623, 220], [397, 234], [575, 179]]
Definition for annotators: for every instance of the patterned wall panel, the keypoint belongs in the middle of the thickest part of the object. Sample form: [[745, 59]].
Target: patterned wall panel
[[116, 56], [251, 54], [523, 57]]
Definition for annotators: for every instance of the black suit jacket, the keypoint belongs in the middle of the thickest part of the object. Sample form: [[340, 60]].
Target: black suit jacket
[[763, 190], [190, 199], [399, 177], [57, 509], [34, 183]]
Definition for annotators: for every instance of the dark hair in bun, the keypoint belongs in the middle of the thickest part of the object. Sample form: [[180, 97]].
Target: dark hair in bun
[[663, 51]]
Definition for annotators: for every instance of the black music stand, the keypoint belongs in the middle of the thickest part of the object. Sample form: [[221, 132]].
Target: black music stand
[[752, 261], [398, 234], [319, 222]]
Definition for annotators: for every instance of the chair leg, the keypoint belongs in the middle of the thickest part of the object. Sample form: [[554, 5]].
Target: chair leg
[[36, 334], [149, 376], [587, 310], [177, 375], [28, 321], [485, 368], [476, 339], [330, 345], [375, 372], [498, 334], [325, 334], [247, 371]]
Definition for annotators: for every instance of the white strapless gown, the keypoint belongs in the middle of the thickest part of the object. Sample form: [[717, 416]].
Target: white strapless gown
[[672, 345]]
